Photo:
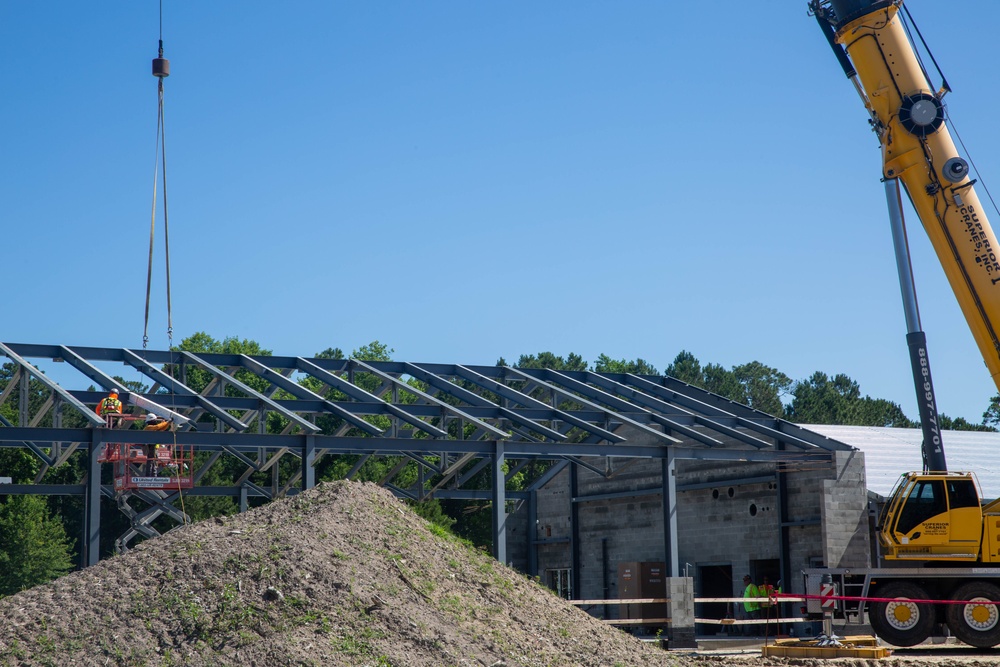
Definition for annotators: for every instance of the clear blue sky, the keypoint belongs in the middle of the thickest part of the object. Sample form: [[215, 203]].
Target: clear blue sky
[[465, 181]]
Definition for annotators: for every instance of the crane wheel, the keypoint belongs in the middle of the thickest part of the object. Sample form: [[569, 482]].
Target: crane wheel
[[902, 622], [977, 623]]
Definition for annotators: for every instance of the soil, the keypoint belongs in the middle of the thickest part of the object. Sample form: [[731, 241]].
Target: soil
[[343, 574]]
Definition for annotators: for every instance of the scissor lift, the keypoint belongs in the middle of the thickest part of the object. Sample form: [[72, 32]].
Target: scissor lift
[[154, 474], [150, 467]]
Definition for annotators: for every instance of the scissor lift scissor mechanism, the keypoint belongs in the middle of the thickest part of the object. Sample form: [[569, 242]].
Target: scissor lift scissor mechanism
[[157, 475]]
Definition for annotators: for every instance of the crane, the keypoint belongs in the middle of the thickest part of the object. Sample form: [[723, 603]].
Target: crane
[[934, 520]]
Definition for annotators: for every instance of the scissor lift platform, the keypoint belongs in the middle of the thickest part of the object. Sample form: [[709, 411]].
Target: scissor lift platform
[[147, 467]]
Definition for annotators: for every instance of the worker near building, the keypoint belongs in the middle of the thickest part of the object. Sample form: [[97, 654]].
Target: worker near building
[[750, 605], [767, 608], [154, 423], [110, 408], [777, 607]]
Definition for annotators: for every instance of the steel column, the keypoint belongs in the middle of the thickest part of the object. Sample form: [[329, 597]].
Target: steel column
[[90, 551], [574, 528], [532, 533], [784, 533], [671, 557], [308, 459], [499, 505]]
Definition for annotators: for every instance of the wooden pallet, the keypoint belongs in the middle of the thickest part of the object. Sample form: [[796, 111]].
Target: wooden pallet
[[861, 646]]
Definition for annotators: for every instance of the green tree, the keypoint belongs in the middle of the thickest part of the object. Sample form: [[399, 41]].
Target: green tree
[[34, 548], [686, 368], [991, 417], [718, 380], [825, 400], [763, 387], [961, 424], [606, 364], [572, 362], [880, 412], [838, 400]]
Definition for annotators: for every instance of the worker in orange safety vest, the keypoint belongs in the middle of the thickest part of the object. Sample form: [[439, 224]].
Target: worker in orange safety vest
[[154, 423], [110, 408], [110, 404]]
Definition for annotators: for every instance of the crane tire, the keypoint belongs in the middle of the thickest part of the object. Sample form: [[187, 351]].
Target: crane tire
[[976, 624], [901, 622]]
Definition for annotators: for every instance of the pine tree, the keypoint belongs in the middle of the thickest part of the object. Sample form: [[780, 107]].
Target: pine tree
[[34, 547]]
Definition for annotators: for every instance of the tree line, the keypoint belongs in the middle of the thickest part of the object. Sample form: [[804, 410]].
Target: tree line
[[35, 532]]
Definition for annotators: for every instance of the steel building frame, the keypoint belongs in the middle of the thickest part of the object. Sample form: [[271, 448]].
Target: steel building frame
[[448, 421]]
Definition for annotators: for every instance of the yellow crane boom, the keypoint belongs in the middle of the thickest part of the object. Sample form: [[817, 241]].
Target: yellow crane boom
[[908, 116]]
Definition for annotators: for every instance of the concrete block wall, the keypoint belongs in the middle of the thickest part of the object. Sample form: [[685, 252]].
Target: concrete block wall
[[552, 528], [614, 532], [733, 522], [681, 634], [729, 521], [516, 524], [846, 540]]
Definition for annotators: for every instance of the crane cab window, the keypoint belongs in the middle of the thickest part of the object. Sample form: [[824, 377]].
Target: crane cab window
[[926, 499], [962, 493]]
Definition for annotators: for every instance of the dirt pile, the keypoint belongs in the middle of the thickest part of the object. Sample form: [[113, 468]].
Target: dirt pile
[[341, 575]]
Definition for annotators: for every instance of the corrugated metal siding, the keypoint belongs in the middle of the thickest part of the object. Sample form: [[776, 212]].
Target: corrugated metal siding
[[890, 452]]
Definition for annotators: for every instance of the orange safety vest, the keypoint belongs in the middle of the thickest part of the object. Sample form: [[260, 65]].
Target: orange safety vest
[[157, 425], [767, 590], [112, 405]]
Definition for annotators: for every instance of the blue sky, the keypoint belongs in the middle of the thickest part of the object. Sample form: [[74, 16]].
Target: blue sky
[[467, 181]]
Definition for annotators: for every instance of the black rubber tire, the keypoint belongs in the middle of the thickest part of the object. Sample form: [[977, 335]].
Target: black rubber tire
[[902, 623], [976, 625]]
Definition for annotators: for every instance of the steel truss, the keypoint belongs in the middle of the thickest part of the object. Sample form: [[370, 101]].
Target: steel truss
[[441, 425]]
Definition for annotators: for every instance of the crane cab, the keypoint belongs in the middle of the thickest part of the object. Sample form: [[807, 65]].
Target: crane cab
[[933, 516]]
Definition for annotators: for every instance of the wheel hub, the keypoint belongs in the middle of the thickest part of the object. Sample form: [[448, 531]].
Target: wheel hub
[[902, 615], [981, 616]]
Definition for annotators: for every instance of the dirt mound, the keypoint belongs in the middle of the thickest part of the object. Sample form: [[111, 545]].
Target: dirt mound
[[344, 574], [341, 575]]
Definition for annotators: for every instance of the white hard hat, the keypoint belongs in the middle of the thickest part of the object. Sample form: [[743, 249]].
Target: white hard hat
[[150, 416], [114, 390]]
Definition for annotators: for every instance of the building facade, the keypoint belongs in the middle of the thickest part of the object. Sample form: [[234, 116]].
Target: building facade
[[731, 518]]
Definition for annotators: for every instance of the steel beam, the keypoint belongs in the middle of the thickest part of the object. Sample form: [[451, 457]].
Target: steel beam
[[297, 390], [89, 414], [307, 426], [358, 393], [396, 382], [176, 387]]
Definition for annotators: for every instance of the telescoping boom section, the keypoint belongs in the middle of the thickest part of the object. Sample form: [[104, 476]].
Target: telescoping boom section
[[908, 115]]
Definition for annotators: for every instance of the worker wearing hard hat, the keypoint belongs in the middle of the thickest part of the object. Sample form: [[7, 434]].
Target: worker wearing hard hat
[[110, 408], [110, 404], [154, 423]]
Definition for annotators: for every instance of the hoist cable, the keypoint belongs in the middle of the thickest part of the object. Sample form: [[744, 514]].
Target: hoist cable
[[166, 219], [161, 70], [152, 222]]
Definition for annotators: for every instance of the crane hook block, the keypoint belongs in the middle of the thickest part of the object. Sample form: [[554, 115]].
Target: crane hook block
[[161, 68]]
